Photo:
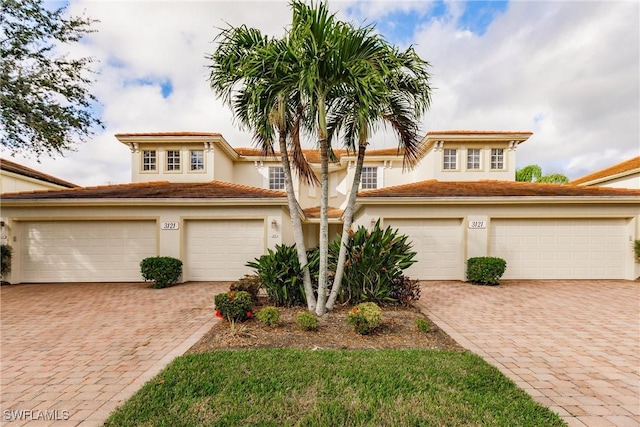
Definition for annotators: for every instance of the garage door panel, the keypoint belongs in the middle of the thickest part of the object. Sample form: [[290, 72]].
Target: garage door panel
[[219, 249], [438, 243], [85, 251], [559, 248]]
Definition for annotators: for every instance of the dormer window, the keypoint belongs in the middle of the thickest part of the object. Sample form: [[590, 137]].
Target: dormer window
[[276, 178], [196, 162], [173, 160], [497, 158], [473, 159], [450, 159], [369, 178], [149, 160]]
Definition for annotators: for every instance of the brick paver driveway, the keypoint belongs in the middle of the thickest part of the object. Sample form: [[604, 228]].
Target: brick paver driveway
[[73, 352], [573, 345]]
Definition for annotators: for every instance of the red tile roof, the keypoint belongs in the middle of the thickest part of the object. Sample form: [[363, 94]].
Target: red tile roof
[[153, 190], [436, 189], [314, 212], [18, 169], [620, 168]]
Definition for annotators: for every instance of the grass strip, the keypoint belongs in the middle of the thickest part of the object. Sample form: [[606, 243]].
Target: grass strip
[[286, 387]]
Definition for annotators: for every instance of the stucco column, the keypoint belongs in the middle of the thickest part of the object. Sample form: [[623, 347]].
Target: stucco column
[[477, 232]]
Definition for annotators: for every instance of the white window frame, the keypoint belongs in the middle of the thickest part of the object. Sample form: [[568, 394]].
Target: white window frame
[[497, 159], [474, 158], [369, 178], [172, 163], [450, 159], [149, 160], [198, 165], [276, 178]]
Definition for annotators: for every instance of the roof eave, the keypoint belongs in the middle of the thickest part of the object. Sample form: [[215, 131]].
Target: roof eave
[[159, 138]]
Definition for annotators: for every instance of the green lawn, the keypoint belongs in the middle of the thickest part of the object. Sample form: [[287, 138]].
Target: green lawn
[[275, 387]]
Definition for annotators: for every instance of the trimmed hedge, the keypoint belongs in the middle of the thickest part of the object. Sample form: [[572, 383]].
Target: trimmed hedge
[[485, 270], [162, 270]]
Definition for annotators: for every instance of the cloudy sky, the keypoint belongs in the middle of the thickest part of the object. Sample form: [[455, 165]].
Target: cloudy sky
[[566, 71]]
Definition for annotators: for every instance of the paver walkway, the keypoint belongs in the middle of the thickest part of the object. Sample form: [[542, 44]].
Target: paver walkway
[[573, 345], [71, 353]]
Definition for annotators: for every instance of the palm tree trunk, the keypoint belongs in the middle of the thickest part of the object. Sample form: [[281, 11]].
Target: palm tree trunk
[[346, 226], [298, 234], [324, 209]]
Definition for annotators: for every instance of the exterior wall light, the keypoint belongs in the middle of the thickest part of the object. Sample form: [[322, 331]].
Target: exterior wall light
[[274, 224]]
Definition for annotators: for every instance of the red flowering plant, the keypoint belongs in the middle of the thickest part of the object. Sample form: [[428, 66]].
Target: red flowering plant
[[234, 306]]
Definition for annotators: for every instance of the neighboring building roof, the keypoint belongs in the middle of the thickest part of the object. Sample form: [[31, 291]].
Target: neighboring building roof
[[616, 171], [18, 169], [476, 189], [153, 190]]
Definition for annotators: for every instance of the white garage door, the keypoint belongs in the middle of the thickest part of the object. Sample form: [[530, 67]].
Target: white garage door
[[219, 250], [86, 251], [438, 243], [560, 249]]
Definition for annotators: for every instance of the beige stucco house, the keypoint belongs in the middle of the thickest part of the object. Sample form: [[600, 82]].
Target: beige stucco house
[[195, 197]]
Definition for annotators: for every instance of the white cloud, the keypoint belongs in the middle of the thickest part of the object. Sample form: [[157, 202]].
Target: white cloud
[[568, 71]]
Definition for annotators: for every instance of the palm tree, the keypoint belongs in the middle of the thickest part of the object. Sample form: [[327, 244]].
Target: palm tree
[[533, 173], [335, 58], [404, 97], [255, 76]]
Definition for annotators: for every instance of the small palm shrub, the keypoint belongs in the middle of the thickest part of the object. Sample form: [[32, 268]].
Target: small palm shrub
[[485, 270], [405, 291], [269, 316], [374, 260], [365, 317], [636, 250], [281, 275], [163, 271], [422, 324], [234, 306], [248, 283], [307, 321]]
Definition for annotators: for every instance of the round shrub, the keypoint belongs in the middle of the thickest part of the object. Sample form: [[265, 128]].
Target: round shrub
[[234, 306], [269, 316], [307, 321], [485, 270], [162, 270], [365, 317]]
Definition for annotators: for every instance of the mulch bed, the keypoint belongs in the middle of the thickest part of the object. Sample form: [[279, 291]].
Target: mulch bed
[[397, 332]]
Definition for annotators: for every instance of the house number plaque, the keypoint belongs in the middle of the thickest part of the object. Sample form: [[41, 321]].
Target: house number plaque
[[170, 225], [477, 224]]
